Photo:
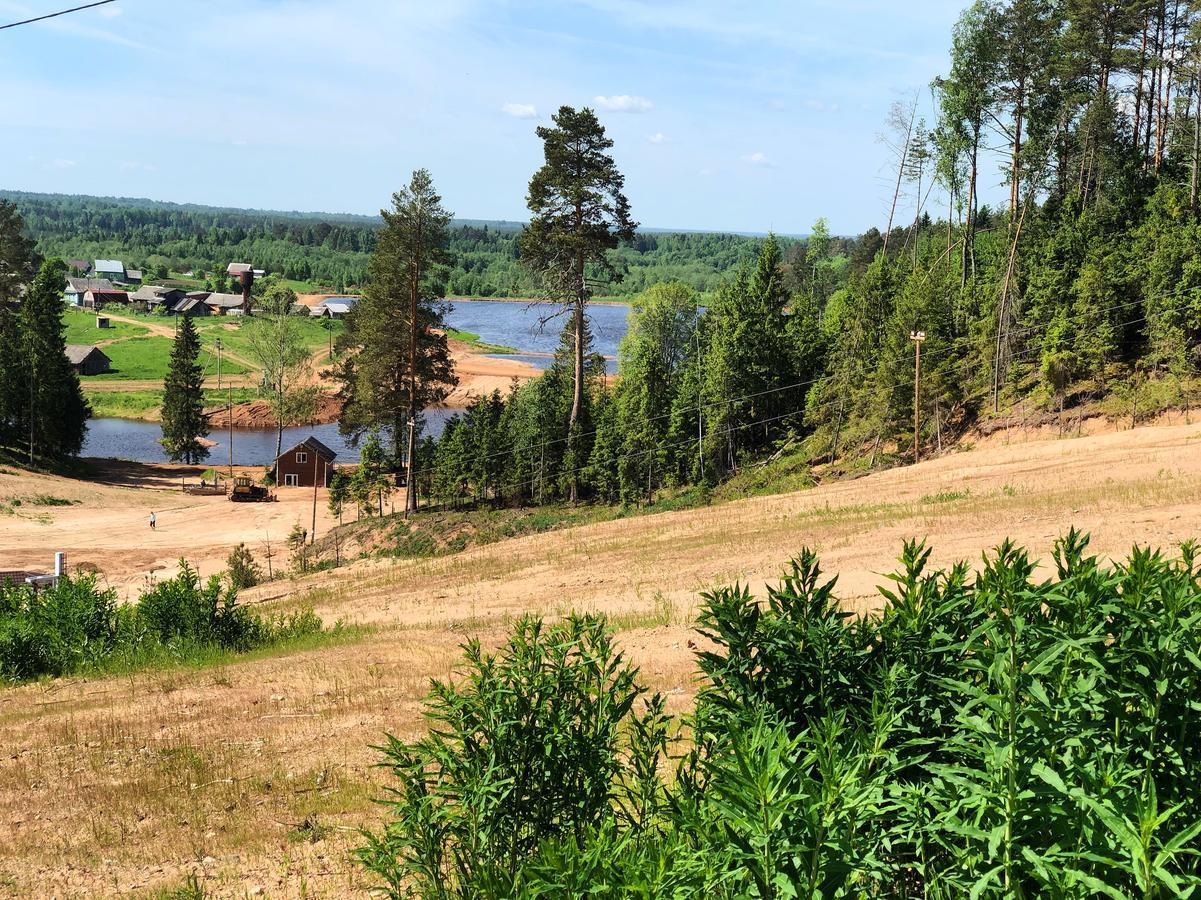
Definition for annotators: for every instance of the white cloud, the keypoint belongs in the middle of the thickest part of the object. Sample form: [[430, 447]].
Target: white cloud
[[758, 158], [520, 110], [658, 138], [111, 12], [624, 103], [64, 164]]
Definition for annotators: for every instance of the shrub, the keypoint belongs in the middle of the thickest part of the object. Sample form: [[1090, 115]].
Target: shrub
[[75, 626], [55, 631], [183, 611], [241, 569], [986, 735], [537, 742]]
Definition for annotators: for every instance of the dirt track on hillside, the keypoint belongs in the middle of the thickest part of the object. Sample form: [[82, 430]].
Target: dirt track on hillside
[[130, 783]]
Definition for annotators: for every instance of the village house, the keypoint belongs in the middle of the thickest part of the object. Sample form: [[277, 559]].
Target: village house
[[95, 299], [191, 306], [158, 298], [86, 359], [223, 304], [112, 269], [333, 307], [308, 462], [77, 287], [133, 276], [81, 266]]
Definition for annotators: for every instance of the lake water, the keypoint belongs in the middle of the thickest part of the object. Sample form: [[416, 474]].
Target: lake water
[[520, 325], [138, 441], [515, 325]]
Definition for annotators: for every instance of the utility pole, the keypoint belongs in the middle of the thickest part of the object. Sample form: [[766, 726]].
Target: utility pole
[[700, 407], [410, 485], [917, 337], [33, 369], [313, 531], [229, 412], [219, 348]]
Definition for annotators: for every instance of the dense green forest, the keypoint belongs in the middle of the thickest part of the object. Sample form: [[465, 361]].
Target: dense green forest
[[334, 251], [1082, 289]]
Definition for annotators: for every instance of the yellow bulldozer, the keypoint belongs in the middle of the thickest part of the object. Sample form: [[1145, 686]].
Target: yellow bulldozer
[[246, 491]]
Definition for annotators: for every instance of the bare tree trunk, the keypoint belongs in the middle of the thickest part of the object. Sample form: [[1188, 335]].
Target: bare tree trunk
[[1002, 308], [969, 232], [1138, 90], [1161, 140], [577, 397], [414, 298], [904, 156], [1015, 176], [1195, 183]]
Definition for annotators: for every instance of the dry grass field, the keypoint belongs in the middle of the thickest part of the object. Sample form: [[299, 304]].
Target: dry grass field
[[255, 775]]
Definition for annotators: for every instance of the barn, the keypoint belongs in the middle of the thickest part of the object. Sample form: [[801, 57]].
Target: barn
[[308, 461], [88, 360]]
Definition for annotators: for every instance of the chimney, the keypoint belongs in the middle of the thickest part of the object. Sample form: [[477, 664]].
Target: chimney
[[247, 282], [60, 564]]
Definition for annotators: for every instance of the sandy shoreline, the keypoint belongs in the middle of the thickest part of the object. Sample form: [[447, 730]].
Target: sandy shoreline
[[479, 375]]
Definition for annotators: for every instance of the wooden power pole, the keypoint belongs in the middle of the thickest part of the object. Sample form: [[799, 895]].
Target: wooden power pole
[[917, 337]]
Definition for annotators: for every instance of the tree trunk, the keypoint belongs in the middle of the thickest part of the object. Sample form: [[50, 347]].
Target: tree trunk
[[1161, 138], [969, 231], [1015, 176], [896, 194], [1138, 90], [414, 297], [1194, 184], [577, 395]]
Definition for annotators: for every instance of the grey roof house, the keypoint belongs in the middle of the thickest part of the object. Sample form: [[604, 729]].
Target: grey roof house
[[77, 287], [87, 360]]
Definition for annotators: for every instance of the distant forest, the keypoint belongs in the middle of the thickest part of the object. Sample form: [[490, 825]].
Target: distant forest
[[333, 251]]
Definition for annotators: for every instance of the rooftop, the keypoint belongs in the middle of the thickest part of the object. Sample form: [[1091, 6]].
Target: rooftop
[[316, 446], [77, 353]]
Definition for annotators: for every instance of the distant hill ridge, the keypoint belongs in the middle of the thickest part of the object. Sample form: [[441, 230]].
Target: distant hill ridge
[[313, 215], [331, 252]]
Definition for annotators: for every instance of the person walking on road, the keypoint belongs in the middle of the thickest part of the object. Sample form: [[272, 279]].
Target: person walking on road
[[153, 520]]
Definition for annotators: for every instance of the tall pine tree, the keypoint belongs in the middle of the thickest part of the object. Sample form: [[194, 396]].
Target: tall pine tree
[[400, 364], [184, 423], [580, 214]]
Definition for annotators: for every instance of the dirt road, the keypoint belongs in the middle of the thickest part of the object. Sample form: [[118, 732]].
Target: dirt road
[[130, 783], [103, 526]]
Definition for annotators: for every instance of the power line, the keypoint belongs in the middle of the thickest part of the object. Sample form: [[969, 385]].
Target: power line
[[55, 15], [731, 428], [951, 348]]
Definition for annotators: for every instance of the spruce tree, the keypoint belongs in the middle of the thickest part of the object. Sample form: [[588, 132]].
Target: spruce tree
[[56, 413], [18, 258], [183, 420], [13, 379]]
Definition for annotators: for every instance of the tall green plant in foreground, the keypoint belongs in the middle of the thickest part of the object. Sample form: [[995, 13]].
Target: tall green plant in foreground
[[986, 735]]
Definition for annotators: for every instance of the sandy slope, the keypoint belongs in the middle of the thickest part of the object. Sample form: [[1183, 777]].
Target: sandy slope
[[130, 783]]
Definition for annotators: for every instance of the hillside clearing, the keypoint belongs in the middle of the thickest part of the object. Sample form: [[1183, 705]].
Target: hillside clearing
[[256, 773]]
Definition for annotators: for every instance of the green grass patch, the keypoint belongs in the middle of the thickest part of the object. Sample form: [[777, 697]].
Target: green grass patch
[[473, 339], [946, 496], [146, 404], [147, 358], [81, 328]]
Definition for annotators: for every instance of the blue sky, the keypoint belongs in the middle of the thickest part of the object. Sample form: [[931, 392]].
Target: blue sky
[[726, 115]]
